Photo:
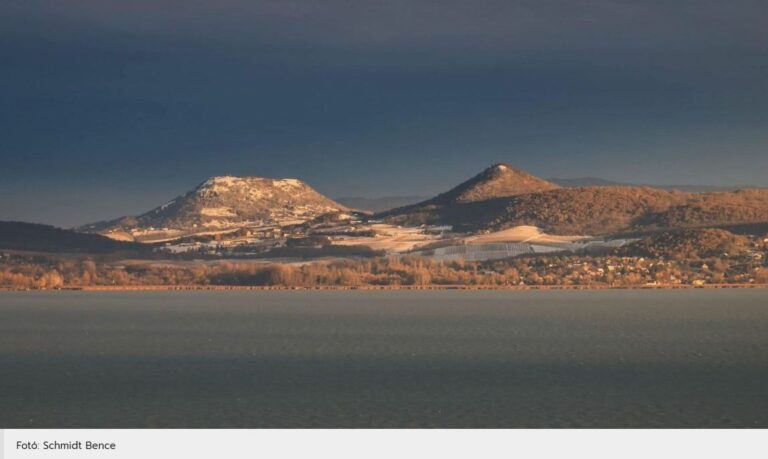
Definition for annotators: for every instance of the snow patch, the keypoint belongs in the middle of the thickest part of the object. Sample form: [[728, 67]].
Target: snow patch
[[287, 184], [215, 183], [217, 212]]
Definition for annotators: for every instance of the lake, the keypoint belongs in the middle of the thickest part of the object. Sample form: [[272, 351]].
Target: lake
[[611, 358]]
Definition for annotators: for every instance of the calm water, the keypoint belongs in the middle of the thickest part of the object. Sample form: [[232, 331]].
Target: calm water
[[695, 358]]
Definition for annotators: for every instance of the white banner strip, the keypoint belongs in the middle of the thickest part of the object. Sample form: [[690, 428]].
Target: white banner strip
[[385, 444]]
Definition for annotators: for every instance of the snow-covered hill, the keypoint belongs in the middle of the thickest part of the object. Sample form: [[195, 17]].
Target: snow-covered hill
[[224, 203]]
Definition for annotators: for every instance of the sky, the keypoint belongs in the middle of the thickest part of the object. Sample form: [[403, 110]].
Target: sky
[[110, 108]]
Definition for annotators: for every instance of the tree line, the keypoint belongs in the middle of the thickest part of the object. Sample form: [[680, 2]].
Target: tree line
[[23, 272]]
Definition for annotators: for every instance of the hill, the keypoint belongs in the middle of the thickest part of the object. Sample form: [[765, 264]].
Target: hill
[[607, 210], [594, 181], [497, 181], [44, 238], [689, 244], [598, 210], [586, 181], [223, 203]]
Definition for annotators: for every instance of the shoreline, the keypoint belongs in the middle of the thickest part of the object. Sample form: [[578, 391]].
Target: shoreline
[[221, 288]]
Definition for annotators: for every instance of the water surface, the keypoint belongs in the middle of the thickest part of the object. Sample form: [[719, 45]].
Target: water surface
[[636, 358]]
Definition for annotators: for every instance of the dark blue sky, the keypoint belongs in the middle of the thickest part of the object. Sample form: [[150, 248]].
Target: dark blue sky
[[111, 107]]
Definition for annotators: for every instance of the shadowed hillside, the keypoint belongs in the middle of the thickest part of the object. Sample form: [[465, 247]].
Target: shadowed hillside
[[44, 238], [608, 210], [688, 244]]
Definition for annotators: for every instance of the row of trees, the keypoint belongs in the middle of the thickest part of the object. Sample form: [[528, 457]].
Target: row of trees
[[44, 273]]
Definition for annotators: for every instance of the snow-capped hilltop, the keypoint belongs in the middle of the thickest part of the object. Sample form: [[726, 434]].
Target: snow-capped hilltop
[[500, 180], [497, 181], [253, 185], [226, 202]]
